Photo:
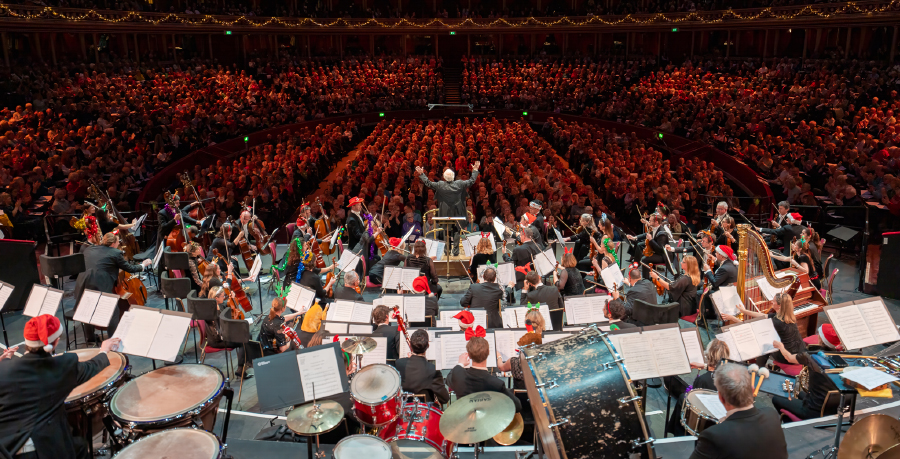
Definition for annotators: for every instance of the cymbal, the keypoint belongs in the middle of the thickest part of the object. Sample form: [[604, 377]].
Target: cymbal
[[477, 417], [869, 437], [358, 345], [512, 433], [306, 420], [891, 453]]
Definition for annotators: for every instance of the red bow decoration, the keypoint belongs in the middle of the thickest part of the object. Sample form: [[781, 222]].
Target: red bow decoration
[[475, 331], [336, 339], [524, 269], [483, 234], [567, 250]]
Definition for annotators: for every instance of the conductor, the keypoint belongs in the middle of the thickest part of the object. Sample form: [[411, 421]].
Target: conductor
[[451, 196]]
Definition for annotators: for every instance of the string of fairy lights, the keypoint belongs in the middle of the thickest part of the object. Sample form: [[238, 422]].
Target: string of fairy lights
[[707, 17]]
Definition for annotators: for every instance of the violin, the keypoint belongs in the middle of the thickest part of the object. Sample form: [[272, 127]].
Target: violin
[[660, 289], [648, 251]]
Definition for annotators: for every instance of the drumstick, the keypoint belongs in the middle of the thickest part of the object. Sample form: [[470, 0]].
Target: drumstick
[[753, 369], [763, 374]]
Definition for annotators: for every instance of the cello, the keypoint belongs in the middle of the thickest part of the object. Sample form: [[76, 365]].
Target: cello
[[178, 236], [128, 242], [322, 230]]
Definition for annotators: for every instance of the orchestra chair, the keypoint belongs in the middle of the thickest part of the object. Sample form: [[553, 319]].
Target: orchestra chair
[[787, 368], [58, 269], [369, 284], [175, 288], [201, 309], [253, 350], [655, 314], [829, 407], [696, 318], [177, 262], [235, 333]]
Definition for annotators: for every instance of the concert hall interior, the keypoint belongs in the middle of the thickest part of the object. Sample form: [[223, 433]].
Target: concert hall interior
[[449, 229]]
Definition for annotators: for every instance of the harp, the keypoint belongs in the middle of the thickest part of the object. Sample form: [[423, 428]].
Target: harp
[[755, 267]]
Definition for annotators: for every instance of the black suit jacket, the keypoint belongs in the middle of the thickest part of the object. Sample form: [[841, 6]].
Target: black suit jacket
[[450, 196], [393, 339], [726, 274], [748, 434], [32, 399], [786, 233], [465, 381], [643, 290], [391, 258], [103, 264], [355, 229], [418, 374], [487, 296], [658, 242], [346, 293], [167, 223]]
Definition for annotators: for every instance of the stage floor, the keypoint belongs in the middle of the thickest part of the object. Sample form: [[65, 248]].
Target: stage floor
[[246, 425]]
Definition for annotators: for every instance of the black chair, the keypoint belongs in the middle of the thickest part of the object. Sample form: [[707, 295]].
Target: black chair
[[655, 314], [58, 269], [253, 350], [206, 310], [200, 309], [176, 260], [235, 333], [177, 288]]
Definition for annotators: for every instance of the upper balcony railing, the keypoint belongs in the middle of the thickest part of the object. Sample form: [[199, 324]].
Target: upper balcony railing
[[36, 18]]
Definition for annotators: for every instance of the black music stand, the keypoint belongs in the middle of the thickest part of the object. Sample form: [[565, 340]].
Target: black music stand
[[832, 451]]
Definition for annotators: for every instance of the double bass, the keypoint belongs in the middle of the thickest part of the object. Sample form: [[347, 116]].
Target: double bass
[[205, 240], [322, 230], [178, 236], [234, 286]]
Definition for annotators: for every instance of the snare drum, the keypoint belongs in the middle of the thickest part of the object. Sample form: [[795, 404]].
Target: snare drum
[[174, 396], [375, 391], [695, 416], [85, 402], [417, 434], [361, 446], [181, 443]]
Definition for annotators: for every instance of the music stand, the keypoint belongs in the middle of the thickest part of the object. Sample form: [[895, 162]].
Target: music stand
[[446, 224], [843, 234]]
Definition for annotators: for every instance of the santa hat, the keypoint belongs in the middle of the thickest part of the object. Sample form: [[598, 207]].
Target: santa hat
[[466, 319], [354, 201], [394, 241], [536, 204], [420, 284], [796, 217], [828, 336], [528, 217], [726, 251], [41, 331], [301, 222]]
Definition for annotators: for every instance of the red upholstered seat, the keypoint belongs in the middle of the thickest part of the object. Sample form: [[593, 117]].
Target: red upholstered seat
[[789, 369]]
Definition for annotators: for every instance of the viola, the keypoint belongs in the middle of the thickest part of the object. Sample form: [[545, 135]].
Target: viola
[[648, 251]]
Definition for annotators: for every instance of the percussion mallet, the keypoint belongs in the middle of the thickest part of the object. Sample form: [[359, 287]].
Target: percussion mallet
[[763, 374], [753, 369]]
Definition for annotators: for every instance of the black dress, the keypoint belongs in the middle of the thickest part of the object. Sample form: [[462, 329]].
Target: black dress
[[809, 404], [574, 283], [479, 259], [684, 292], [270, 335]]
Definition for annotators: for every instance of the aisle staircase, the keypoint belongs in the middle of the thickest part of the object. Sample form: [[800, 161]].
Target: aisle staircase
[[452, 80]]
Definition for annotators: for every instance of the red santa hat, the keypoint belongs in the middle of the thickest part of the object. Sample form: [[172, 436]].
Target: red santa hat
[[828, 336], [796, 217], [726, 251], [420, 284], [465, 317], [529, 217], [394, 241], [42, 331]]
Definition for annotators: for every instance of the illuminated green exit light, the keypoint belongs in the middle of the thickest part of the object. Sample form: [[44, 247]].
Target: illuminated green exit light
[[659, 135], [381, 114], [452, 33], [227, 32], [246, 139], [524, 113], [674, 29]]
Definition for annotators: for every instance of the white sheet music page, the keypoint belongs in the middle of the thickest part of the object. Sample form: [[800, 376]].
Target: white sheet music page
[[414, 308], [668, 348], [159, 254], [348, 261], [448, 321], [767, 289], [407, 276], [169, 337], [362, 312], [713, 404], [637, 350], [138, 335], [612, 275], [5, 292], [320, 368], [334, 238], [35, 300], [431, 353], [255, 268], [340, 311], [391, 301], [879, 320], [508, 315], [506, 342], [335, 328], [492, 355], [86, 306], [499, 227], [551, 337], [107, 305], [468, 248], [391, 279], [764, 331], [851, 327], [578, 311], [51, 302], [692, 346], [869, 377], [452, 346], [598, 305], [544, 310], [726, 300], [733, 352], [745, 341], [359, 329], [293, 294], [377, 355], [506, 273], [545, 262]]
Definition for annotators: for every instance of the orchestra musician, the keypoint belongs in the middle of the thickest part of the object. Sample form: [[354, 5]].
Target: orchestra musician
[[271, 335], [487, 295], [538, 222], [420, 285], [618, 316], [312, 322], [309, 276], [784, 234], [419, 259], [381, 317], [637, 287], [809, 403], [721, 213], [484, 253], [785, 323], [586, 235], [727, 233], [716, 352], [212, 277], [355, 224], [34, 391], [451, 198], [727, 270], [783, 208], [223, 244], [568, 281], [249, 227], [393, 257], [657, 238], [170, 216], [534, 323], [523, 255], [535, 292], [746, 432], [684, 288], [348, 290], [801, 260], [470, 375], [194, 256], [417, 374]]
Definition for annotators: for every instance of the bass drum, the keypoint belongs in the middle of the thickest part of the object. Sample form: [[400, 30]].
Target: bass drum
[[583, 404], [84, 405]]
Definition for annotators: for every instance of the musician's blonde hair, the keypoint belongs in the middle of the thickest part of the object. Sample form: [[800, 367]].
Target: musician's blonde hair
[[716, 351], [537, 320], [786, 313], [693, 269], [484, 246]]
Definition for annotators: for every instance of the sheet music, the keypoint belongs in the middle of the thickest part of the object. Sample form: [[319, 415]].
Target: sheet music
[[320, 368], [468, 248], [506, 273], [585, 309], [692, 346], [733, 353], [106, 307], [359, 329], [448, 321], [764, 331], [499, 227], [492, 354], [335, 328], [255, 268], [669, 352], [407, 276], [637, 350], [522, 311], [545, 262], [334, 238], [5, 292], [159, 253], [377, 355], [348, 261], [612, 275], [362, 312], [435, 248], [726, 300], [293, 293], [391, 280], [406, 236], [879, 321], [506, 343], [137, 330], [869, 377], [559, 236], [712, 403], [767, 290], [433, 349], [169, 337], [35, 301], [509, 318], [390, 301], [414, 308], [475, 238], [85, 309], [851, 327], [340, 311], [745, 341], [51, 301]]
